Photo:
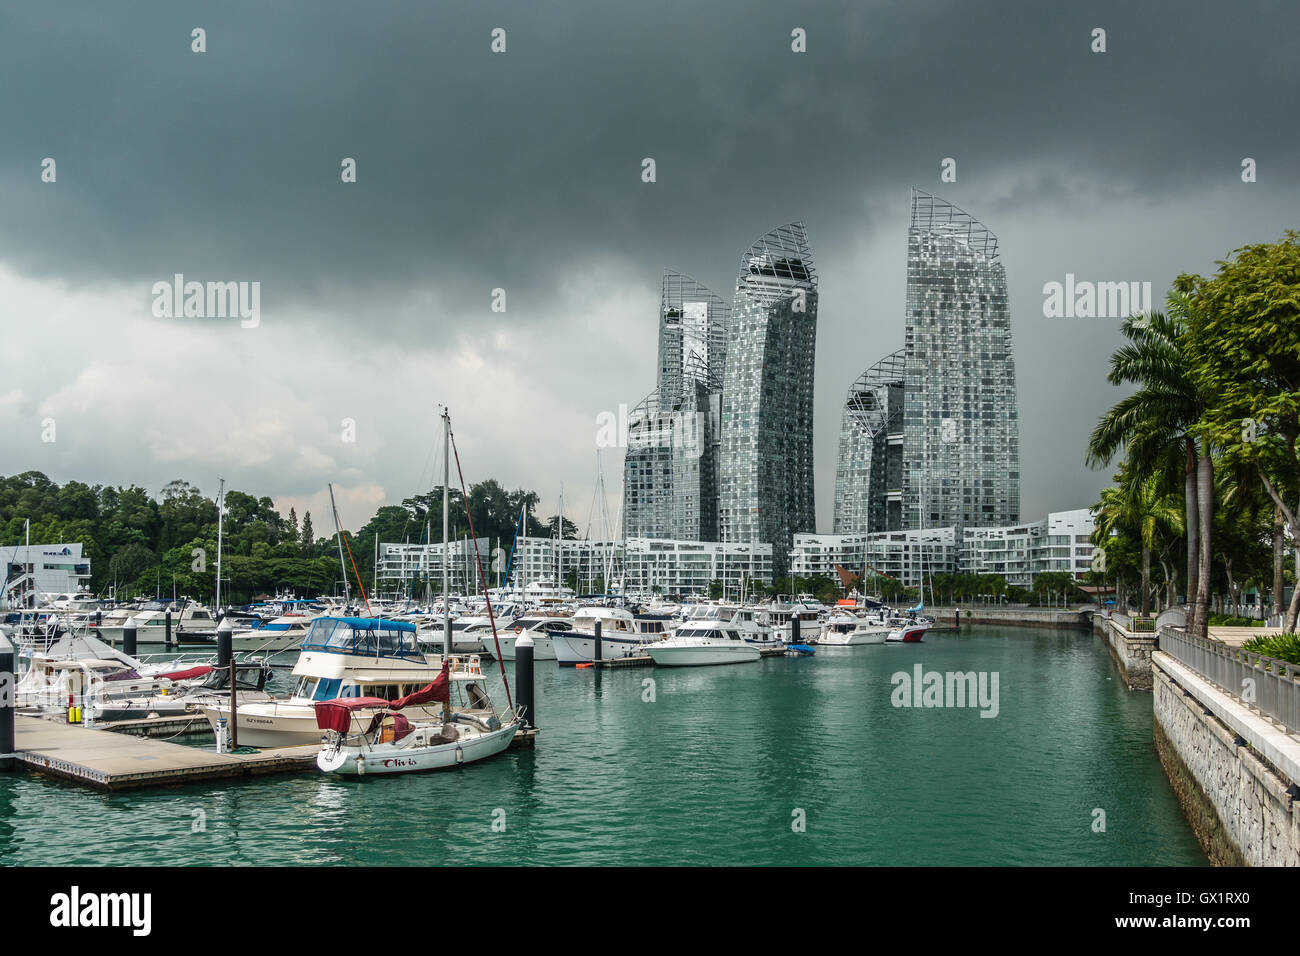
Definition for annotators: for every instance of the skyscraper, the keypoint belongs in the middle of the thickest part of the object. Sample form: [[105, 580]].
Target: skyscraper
[[961, 436], [670, 471], [766, 469], [869, 474]]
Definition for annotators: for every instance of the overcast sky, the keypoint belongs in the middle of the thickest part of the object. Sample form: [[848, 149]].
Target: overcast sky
[[522, 171]]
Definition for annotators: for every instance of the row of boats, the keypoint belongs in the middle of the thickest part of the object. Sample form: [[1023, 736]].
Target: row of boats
[[352, 658]]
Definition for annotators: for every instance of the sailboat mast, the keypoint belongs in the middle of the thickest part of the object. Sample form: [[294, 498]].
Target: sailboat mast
[[446, 538], [221, 510], [338, 537]]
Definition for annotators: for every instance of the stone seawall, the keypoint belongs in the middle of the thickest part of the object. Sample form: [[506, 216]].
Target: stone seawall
[[1019, 616], [1241, 807], [1130, 652]]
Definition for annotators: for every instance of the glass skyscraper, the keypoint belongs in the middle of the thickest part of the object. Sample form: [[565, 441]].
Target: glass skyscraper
[[670, 470], [766, 469], [869, 474], [961, 435]]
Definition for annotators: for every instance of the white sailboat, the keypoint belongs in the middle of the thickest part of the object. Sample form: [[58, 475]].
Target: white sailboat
[[362, 740]]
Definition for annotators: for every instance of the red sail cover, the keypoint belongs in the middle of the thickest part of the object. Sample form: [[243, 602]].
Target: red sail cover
[[337, 714], [439, 690], [188, 673]]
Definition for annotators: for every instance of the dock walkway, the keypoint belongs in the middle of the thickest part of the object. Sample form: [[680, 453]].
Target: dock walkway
[[117, 761]]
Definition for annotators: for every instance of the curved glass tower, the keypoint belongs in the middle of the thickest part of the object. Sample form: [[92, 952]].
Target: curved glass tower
[[670, 471], [869, 474], [961, 436], [765, 490]]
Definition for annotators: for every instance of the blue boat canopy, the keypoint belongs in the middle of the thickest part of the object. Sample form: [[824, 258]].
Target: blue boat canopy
[[362, 635]]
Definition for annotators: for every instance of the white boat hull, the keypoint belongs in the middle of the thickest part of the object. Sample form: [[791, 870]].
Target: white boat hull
[[543, 650], [571, 649], [393, 758], [666, 654], [854, 638], [287, 725]]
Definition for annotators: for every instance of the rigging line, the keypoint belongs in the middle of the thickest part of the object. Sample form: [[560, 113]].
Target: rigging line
[[360, 584], [478, 558]]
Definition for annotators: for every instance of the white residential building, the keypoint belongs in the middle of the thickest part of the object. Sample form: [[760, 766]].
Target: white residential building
[[1060, 542], [674, 567]]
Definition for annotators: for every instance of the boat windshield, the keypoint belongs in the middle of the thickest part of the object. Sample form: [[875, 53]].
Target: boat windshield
[[370, 637]]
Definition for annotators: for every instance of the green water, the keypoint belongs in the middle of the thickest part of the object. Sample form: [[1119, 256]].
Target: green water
[[711, 772]]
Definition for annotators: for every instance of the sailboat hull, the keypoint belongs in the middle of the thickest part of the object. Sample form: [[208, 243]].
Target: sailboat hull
[[394, 758]]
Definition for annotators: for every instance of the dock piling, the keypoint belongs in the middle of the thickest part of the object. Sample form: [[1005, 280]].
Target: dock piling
[[225, 642], [596, 652], [524, 679], [128, 637], [167, 623], [794, 629], [8, 702]]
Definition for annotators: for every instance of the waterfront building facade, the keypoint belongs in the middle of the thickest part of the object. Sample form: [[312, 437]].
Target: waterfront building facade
[[902, 555], [681, 568], [765, 492], [1062, 541], [961, 440], [416, 569], [33, 571]]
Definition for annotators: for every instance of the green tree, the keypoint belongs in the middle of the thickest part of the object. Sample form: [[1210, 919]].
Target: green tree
[[1245, 339]]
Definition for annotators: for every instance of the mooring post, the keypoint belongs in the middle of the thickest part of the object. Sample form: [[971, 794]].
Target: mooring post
[[128, 637], [234, 724], [8, 702], [958, 617], [794, 629], [596, 652], [225, 643], [524, 679], [167, 636]]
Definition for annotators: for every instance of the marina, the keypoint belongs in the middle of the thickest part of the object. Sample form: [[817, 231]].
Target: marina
[[621, 779]]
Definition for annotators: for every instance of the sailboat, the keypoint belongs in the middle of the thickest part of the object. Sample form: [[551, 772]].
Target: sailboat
[[372, 735]]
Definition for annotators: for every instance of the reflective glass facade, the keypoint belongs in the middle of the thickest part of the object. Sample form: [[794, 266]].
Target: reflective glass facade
[[670, 471], [766, 467], [961, 443], [869, 472]]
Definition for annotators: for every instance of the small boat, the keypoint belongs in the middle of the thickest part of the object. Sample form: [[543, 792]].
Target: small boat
[[702, 643], [846, 629], [907, 630], [371, 736], [799, 650]]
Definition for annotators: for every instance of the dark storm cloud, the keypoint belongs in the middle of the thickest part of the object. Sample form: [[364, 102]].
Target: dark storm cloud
[[481, 170]]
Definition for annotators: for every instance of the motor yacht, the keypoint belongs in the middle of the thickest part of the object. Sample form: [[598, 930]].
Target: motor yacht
[[703, 642]]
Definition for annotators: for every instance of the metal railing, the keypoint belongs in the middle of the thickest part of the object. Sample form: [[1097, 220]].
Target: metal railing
[[1263, 684]]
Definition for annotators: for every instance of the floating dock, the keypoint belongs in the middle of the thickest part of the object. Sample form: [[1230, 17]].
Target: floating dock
[[117, 761], [632, 660], [125, 755]]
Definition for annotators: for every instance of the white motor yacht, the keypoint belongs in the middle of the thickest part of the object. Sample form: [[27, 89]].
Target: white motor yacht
[[340, 657], [845, 628], [703, 642], [622, 634]]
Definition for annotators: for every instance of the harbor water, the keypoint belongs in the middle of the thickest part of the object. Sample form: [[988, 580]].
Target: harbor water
[[794, 761]]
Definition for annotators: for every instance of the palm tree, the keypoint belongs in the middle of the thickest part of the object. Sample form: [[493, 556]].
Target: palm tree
[[1155, 423]]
